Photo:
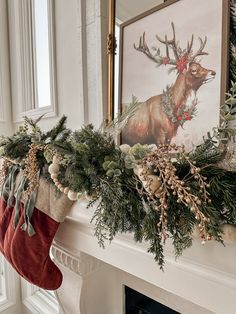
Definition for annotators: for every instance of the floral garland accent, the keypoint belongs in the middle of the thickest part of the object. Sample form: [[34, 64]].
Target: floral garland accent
[[185, 113], [158, 187]]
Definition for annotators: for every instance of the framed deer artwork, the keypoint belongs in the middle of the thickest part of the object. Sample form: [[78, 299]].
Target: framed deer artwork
[[174, 67]]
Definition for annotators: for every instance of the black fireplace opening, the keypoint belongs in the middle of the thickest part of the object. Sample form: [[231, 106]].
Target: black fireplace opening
[[138, 303]]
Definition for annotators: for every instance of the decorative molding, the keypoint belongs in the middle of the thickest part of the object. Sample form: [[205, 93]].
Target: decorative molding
[[77, 269], [111, 44], [83, 73], [52, 56], [210, 267], [2, 105], [37, 300], [5, 99], [15, 58], [8, 295], [46, 112], [101, 30], [81, 263], [26, 53]]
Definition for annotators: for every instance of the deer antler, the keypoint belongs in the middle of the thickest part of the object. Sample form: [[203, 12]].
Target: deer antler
[[157, 58], [182, 56], [143, 47], [172, 42], [190, 45], [200, 51]]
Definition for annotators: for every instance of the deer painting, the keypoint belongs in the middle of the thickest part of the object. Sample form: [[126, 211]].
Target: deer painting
[[157, 119]]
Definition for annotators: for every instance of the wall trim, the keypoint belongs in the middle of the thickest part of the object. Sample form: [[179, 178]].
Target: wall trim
[[2, 105], [5, 98], [37, 300], [81, 263], [83, 73], [8, 297], [101, 31]]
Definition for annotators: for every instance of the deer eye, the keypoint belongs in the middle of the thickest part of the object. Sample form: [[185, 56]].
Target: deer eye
[[194, 72]]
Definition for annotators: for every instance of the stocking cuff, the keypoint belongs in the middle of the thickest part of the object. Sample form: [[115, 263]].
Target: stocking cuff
[[48, 200], [55, 205]]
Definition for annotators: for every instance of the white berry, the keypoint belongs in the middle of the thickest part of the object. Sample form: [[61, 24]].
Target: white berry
[[66, 190], [125, 148], [54, 176], [73, 196], [53, 169]]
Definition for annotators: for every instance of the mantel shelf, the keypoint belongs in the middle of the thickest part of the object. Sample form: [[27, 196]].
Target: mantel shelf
[[209, 270]]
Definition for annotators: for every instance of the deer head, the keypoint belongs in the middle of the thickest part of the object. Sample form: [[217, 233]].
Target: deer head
[[182, 57], [196, 75]]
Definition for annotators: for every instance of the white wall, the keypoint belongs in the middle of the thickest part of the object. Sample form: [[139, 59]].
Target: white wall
[[126, 10]]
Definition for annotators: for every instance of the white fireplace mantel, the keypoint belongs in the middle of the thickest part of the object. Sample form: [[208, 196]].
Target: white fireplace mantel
[[204, 275]]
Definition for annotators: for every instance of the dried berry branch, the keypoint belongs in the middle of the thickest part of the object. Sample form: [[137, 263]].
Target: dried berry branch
[[158, 175], [31, 169]]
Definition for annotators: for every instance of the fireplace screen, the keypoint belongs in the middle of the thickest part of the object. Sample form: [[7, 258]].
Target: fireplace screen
[[137, 303]]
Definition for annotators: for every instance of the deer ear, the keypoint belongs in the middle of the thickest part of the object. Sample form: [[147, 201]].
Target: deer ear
[[190, 63]]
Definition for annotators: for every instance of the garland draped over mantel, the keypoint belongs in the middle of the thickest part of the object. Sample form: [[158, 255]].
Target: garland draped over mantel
[[140, 189], [154, 192]]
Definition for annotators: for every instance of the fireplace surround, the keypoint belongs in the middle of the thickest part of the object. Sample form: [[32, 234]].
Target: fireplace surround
[[202, 281]]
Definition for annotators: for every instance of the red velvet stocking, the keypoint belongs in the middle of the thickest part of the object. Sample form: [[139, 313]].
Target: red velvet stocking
[[5, 217], [30, 255], [6, 210], [26, 232]]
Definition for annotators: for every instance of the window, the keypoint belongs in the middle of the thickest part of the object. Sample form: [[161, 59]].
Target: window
[[8, 286], [41, 53], [32, 46]]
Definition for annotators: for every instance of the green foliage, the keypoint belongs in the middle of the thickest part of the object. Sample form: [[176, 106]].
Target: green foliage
[[232, 48], [115, 127], [95, 165], [85, 156], [17, 146], [152, 235], [136, 152], [225, 132], [92, 164]]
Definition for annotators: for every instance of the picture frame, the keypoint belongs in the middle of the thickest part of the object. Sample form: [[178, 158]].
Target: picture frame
[[174, 71]]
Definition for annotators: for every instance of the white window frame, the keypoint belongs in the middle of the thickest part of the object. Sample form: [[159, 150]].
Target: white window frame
[[37, 300], [5, 97], [8, 285], [2, 108], [23, 68]]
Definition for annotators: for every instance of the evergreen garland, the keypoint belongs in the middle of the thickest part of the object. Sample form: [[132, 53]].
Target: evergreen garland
[[232, 49], [92, 164]]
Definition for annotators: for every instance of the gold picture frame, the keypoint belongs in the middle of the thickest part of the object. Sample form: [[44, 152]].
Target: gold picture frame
[[143, 37]]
